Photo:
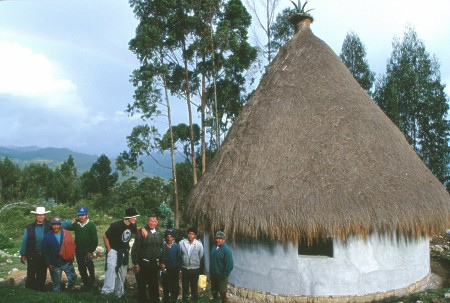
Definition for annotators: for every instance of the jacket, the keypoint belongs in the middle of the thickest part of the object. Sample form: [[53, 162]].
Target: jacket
[[149, 249], [51, 248], [191, 260]]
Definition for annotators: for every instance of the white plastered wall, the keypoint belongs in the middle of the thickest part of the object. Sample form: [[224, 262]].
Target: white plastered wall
[[357, 268]]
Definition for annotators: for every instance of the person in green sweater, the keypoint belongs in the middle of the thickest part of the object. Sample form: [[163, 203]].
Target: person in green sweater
[[220, 267], [86, 240]]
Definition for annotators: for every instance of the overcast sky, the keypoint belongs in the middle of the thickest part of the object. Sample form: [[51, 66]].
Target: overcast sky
[[65, 65]]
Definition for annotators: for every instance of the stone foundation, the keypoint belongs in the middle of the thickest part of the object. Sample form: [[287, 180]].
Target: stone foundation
[[258, 296]]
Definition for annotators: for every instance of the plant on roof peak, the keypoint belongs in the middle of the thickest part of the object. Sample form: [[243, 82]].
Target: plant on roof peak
[[299, 8], [299, 11]]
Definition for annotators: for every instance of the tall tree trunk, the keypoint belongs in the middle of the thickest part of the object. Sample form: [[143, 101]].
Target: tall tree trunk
[[191, 129], [203, 122], [172, 156], [216, 111]]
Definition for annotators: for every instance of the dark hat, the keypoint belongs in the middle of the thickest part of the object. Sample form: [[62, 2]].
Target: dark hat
[[169, 232], [55, 220], [220, 235], [192, 229], [131, 213], [82, 211]]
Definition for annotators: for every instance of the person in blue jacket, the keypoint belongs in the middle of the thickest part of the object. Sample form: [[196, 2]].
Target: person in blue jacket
[[51, 246], [31, 250], [170, 276], [220, 267]]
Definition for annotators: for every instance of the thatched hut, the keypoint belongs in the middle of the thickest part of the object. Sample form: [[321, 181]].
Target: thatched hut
[[319, 192]]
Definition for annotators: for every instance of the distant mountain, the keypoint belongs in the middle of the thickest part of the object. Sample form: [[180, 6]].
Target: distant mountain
[[54, 157]]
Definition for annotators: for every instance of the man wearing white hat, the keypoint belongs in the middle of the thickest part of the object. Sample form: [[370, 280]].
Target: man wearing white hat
[[31, 250]]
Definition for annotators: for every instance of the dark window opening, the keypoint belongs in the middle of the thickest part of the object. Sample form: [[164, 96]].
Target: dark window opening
[[318, 247]]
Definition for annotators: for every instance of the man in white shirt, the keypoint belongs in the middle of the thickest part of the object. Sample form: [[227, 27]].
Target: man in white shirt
[[191, 255]]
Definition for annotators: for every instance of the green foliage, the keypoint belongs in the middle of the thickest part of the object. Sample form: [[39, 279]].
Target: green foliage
[[145, 195], [10, 181], [37, 181], [65, 184], [13, 219], [5, 242], [185, 184], [412, 95], [181, 134], [166, 216], [282, 29], [142, 141], [99, 179], [353, 54]]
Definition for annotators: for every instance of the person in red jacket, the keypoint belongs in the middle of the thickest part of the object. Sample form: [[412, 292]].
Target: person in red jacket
[[51, 246]]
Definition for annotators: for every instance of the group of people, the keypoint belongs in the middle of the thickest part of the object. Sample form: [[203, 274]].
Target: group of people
[[41, 247], [156, 257]]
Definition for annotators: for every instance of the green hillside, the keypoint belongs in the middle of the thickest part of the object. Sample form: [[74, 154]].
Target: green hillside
[[54, 157]]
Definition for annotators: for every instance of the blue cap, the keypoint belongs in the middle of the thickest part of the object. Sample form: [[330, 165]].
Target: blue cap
[[82, 211]]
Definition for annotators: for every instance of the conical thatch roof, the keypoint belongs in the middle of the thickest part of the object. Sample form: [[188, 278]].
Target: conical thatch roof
[[312, 155]]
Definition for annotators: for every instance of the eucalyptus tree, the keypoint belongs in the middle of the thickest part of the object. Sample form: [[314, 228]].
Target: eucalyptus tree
[[353, 54], [155, 46], [233, 57], [264, 13], [282, 29], [412, 95]]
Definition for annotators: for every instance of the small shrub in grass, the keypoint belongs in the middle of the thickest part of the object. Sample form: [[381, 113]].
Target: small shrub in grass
[[5, 242]]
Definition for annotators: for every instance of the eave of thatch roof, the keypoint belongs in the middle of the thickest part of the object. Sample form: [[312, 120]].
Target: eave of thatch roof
[[312, 155]]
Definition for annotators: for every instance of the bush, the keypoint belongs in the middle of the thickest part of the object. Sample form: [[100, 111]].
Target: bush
[[5, 242]]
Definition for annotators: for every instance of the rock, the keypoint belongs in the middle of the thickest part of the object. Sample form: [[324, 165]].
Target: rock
[[2, 280], [9, 261], [437, 248], [16, 278], [99, 250], [448, 231], [447, 295], [14, 270]]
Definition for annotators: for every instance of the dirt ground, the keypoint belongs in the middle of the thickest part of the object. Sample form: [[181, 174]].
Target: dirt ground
[[440, 266]]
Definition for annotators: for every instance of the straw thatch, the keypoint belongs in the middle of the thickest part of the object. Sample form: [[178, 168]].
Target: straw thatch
[[311, 155]]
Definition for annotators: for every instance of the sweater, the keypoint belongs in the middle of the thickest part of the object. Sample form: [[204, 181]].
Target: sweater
[[86, 237], [192, 257], [221, 262]]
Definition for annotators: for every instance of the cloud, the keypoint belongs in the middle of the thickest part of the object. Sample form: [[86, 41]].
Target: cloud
[[34, 80]]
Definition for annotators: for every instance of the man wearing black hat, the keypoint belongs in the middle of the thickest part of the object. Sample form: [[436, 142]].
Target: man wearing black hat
[[147, 255], [117, 239]]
